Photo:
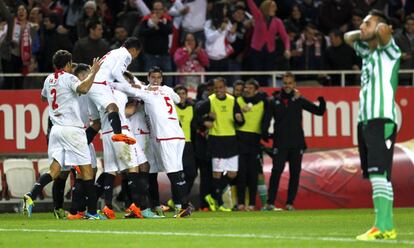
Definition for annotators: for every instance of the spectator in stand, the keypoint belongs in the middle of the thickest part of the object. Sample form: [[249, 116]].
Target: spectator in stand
[[104, 12], [243, 36], [340, 56], [73, 13], [310, 50], [405, 41], [296, 19], [93, 46], [310, 10], [219, 33], [400, 9], [191, 58], [356, 20], [266, 27], [121, 35], [334, 14], [367, 6], [90, 14], [16, 48], [129, 17], [153, 32], [193, 13], [36, 16], [52, 42]]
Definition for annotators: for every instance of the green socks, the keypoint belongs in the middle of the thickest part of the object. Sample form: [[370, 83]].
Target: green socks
[[383, 196], [262, 189]]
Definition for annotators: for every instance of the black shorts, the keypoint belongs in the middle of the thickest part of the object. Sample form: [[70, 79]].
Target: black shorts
[[375, 150]]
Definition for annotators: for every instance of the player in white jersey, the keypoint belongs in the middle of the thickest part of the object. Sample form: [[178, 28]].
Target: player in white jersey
[[114, 65], [77, 208], [377, 120], [167, 135], [120, 157], [67, 144]]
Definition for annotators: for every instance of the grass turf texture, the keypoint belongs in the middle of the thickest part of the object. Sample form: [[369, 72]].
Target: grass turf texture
[[322, 228]]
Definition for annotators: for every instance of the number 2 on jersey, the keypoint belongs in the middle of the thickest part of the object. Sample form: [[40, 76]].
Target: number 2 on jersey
[[53, 92], [167, 99]]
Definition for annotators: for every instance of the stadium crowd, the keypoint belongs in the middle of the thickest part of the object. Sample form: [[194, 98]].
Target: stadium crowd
[[195, 35]]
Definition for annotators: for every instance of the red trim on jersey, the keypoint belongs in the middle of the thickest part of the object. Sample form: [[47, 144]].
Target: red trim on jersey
[[58, 72], [142, 132], [123, 127], [104, 83], [172, 118], [172, 138]]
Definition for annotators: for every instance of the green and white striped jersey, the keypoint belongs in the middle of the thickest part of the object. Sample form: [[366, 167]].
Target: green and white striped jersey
[[379, 81]]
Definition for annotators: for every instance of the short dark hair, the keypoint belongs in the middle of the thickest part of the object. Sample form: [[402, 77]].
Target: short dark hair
[[180, 87], [238, 82], [382, 18], [222, 79], [289, 74], [81, 67], [61, 58], [92, 25], [336, 32], [133, 42], [129, 75], [53, 18], [253, 82], [154, 69]]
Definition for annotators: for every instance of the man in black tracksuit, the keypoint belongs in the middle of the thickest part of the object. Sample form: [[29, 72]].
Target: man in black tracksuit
[[288, 140]]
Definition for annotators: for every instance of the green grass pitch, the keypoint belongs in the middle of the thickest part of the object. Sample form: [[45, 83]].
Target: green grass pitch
[[321, 228]]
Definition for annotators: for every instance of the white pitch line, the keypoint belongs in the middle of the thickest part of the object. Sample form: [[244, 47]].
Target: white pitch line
[[209, 235]]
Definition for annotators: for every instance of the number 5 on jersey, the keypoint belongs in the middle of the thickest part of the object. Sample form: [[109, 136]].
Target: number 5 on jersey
[[169, 105]]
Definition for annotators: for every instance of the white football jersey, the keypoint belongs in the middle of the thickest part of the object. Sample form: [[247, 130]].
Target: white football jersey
[[60, 91], [159, 106], [121, 101], [114, 65], [138, 122], [84, 110]]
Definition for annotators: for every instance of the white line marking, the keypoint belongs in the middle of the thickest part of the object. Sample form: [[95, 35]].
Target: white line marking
[[209, 235]]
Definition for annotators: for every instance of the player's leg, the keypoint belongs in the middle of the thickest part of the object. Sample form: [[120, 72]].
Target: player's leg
[[88, 176], [189, 166], [206, 174], [171, 156], [242, 181], [102, 98], [231, 166], [252, 179], [379, 137], [58, 193], [44, 180], [78, 204], [295, 167], [279, 161]]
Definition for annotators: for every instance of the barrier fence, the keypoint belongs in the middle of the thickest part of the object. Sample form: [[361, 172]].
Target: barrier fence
[[23, 119], [273, 74]]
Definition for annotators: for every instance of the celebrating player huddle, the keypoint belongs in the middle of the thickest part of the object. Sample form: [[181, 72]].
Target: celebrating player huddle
[[105, 96]]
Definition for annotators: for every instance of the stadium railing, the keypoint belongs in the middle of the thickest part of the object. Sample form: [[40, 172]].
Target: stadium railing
[[273, 74]]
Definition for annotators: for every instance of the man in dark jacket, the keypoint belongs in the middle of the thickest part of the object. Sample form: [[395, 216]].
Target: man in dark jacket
[[52, 42], [289, 139]]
